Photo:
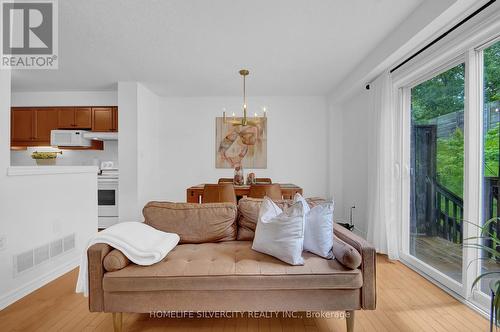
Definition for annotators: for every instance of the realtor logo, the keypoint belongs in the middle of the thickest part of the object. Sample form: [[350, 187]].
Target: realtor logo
[[29, 34]]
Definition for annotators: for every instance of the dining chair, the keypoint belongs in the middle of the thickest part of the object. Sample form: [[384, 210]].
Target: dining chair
[[264, 180], [273, 191], [225, 180], [219, 193]]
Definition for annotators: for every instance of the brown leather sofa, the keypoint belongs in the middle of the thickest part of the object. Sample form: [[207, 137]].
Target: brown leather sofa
[[214, 269]]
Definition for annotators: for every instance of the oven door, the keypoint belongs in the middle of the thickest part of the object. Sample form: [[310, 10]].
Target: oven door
[[107, 198]]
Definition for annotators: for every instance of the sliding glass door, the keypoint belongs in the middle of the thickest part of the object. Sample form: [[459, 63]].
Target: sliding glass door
[[437, 172], [490, 163], [450, 156]]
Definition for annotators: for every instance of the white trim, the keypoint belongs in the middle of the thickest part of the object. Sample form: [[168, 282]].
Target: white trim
[[37, 283], [480, 299], [405, 92], [405, 140], [434, 273], [43, 170], [473, 156], [488, 43], [443, 67], [441, 53]]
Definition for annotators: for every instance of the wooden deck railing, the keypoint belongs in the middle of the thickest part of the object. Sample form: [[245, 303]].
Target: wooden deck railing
[[492, 207], [449, 214]]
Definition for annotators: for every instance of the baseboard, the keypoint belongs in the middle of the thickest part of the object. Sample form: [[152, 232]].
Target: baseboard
[[36, 283]]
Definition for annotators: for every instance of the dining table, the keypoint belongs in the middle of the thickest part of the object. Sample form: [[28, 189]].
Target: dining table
[[194, 194]]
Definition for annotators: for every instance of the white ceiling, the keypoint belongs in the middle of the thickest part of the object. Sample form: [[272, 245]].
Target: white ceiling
[[195, 48]]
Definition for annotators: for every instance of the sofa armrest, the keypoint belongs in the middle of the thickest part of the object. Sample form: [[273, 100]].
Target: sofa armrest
[[368, 265], [95, 256]]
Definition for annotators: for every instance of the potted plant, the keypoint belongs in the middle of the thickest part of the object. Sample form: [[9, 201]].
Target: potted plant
[[477, 242]]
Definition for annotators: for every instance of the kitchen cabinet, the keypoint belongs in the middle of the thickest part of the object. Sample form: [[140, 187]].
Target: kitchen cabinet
[[83, 117], [105, 119], [22, 124], [115, 118], [31, 126], [45, 121], [74, 118]]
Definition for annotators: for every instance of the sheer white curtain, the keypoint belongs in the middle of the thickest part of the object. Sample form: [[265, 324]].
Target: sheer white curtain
[[382, 169]]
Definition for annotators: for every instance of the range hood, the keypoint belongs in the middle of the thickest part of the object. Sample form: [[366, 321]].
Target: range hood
[[101, 136]]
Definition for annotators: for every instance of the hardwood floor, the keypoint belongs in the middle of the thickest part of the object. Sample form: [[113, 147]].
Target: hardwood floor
[[406, 302]]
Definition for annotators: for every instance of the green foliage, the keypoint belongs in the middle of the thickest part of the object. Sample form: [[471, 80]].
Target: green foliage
[[450, 158], [491, 149], [492, 72], [450, 162], [442, 94]]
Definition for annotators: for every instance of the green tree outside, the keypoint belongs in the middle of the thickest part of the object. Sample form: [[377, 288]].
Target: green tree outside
[[444, 94]]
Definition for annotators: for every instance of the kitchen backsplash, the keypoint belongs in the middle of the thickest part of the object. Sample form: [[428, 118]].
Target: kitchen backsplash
[[72, 157]]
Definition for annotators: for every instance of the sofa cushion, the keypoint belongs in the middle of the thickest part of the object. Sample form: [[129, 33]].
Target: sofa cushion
[[230, 265], [281, 233], [346, 254], [195, 223], [115, 261], [248, 214]]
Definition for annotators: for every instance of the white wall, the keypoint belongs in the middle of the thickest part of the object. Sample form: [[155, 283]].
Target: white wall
[[139, 148], [149, 150], [168, 144], [36, 209], [356, 124], [296, 143], [64, 98], [335, 165], [127, 152]]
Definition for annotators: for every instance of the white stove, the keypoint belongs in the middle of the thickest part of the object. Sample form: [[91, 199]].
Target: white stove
[[107, 197]]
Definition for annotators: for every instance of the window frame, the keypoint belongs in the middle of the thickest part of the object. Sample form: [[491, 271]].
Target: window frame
[[464, 46], [405, 255]]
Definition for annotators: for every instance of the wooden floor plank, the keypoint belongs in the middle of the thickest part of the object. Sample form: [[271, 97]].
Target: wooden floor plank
[[406, 302]]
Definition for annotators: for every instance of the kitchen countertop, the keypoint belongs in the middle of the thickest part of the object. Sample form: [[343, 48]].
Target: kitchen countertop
[[42, 170]]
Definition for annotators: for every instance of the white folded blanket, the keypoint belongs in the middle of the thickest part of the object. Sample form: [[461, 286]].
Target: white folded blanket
[[141, 243]]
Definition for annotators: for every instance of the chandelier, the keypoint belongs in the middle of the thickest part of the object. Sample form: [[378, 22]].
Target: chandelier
[[244, 121]]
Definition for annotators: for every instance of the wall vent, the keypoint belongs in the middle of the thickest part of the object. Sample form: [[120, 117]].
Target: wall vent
[[32, 258], [69, 242], [42, 254], [56, 248], [24, 261]]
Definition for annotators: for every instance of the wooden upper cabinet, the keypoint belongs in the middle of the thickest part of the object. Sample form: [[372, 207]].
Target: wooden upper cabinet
[[83, 117], [115, 118], [75, 118], [66, 118], [32, 126], [46, 119], [22, 122], [104, 119]]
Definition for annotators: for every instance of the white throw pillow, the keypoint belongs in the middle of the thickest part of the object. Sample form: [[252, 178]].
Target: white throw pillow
[[280, 234], [318, 228]]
